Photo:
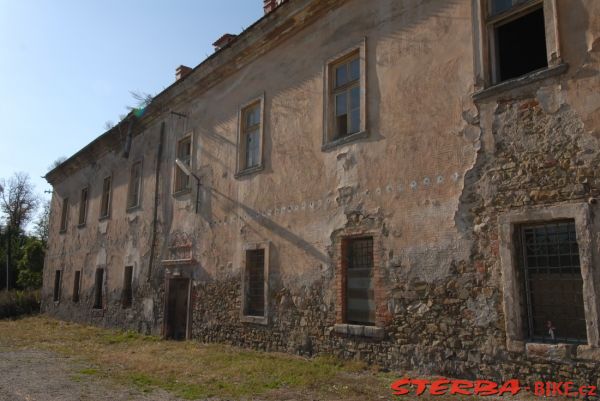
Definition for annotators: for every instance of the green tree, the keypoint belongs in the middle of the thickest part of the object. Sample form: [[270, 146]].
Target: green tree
[[31, 263]]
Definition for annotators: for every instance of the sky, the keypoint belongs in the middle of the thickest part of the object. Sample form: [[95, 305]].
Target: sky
[[67, 67]]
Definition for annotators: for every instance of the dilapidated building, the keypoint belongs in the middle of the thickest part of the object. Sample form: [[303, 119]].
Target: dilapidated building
[[408, 182]]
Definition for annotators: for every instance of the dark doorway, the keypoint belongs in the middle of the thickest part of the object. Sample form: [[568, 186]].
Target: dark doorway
[[177, 309]]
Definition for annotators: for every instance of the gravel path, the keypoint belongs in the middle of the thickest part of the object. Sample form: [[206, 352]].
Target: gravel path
[[34, 375]]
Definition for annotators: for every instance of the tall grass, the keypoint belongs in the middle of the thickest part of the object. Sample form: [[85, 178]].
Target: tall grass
[[17, 303]]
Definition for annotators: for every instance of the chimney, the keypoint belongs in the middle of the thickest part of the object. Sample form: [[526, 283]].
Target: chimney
[[224, 41], [270, 5], [182, 71]]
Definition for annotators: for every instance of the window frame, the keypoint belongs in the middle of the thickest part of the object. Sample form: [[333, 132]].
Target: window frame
[[75, 296], [486, 65], [127, 296], [57, 289], [241, 167], [64, 216], [105, 214], [82, 215], [99, 289], [512, 289], [130, 206], [342, 327], [330, 140], [266, 247], [177, 190]]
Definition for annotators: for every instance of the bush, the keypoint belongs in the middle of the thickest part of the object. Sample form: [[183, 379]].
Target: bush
[[17, 303]]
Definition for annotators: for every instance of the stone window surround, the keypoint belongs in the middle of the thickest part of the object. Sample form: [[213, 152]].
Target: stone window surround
[[187, 190], [483, 63], [328, 104], [512, 293], [264, 320], [240, 148], [341, 327]]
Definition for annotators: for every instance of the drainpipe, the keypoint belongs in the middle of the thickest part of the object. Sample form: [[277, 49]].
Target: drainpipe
[[156, 199]]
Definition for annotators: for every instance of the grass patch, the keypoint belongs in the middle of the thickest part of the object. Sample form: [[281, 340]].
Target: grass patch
[[191, 370]]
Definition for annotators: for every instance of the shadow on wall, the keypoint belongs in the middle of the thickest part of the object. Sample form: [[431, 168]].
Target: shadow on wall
[[276, 228]]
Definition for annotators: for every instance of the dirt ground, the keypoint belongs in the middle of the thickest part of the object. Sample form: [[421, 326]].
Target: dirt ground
[[33, 375]]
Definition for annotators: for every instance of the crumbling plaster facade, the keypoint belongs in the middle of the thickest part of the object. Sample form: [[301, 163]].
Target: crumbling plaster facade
[[433, 179]]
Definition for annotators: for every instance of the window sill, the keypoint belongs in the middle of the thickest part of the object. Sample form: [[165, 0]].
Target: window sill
[[132, 209], [97, 312], [344, 140], [249, 171], [255, 320], [550, 352], [102, 218], [520, 81], [82, 225], [182, 192], [360, 330], [63, 231]]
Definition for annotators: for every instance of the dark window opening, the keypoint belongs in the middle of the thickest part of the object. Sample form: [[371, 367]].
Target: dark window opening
[[56, 294], [76, 281], [360, 295], [64, 216], [83, 204], [255, 290], [553, 283], [98, 288], [521, 45], [127, 287], [105, 202]]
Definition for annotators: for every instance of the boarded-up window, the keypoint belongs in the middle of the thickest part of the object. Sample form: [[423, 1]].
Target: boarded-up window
[[360, 300], [255, 282], [76, 283], [553, 283], [98, 285], [184, 154], [57, 279], [83, 206], [135, 185], [106, 195], [127, 296], [251, 136], [64, 216], [346, 96]]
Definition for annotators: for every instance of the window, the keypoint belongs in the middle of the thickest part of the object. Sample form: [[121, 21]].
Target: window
[[359, 292], [550, 287], [135, 185], [346, 96], [64, 216], [127, 296], [76, 284], [57, 280], [515, 38], [184, 153], [106, 198], [83, 206], [250, 136], [255, 286], [255, 291], [345, 107], [98, 284], [552, 282]]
